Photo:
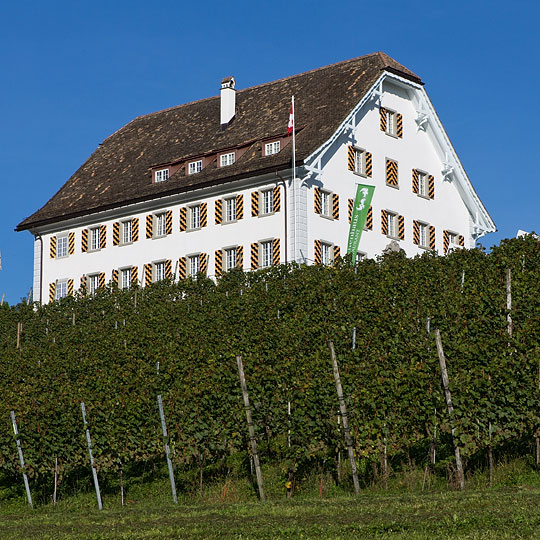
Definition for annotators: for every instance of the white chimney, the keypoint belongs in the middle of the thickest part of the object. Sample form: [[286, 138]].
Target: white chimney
[[228, 101]]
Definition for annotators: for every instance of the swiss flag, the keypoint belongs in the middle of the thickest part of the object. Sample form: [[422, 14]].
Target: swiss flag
[[290, 125]]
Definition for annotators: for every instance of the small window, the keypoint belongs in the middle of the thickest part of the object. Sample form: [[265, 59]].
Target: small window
[[326, 203], [195, 167], [61, 289], [230, 258], [195, 217], [268, 201], [159, 271], [423, 235], [266, 254], [230, 209], [61, 247], [422, 184], [391, 124], [272, 148], [392, 225], [160, 224], [127, 232], [95, 239], [326, 253], [360, 161], [125, 278], [93, 283], [194, 265], [162, 175], [226, 159]]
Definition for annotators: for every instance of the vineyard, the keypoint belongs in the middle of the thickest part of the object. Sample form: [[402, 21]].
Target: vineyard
[[119, 350]]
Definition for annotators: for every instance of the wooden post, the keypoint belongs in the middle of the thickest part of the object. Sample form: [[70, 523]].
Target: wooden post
[[251, 429], [509, 300], [55, 480], [89, 443], [19, 332], [450, 407], [343, 409], [167, 449], [490, 458], [21, 459]]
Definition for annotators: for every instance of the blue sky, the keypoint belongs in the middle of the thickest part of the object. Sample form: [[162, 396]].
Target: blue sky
[[72, 73]]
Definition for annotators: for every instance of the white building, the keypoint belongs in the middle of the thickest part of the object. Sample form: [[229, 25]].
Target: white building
[[208, 186]]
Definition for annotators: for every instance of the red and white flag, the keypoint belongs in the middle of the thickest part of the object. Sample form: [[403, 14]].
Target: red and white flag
[[290, 125]]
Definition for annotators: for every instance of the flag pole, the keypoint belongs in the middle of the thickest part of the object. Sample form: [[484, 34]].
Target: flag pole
[[294, 179]]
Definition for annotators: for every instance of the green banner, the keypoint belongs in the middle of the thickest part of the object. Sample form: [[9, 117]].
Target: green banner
[[364, 194]]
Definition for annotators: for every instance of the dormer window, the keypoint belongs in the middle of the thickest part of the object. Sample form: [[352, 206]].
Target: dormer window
[[272, 148], [195, 167], [162, 175], [226, 159]]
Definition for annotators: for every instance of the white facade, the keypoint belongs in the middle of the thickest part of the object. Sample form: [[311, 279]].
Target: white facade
[[423, 145]]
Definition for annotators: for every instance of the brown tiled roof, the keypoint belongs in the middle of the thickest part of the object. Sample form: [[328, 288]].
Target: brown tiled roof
[[118, 172]]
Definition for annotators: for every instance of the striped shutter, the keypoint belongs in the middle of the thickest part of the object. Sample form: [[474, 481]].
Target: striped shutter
[[116, 233], [431, 186], [168, 269], [391, 173], [416, 232], [147, 274], [103, 237], [168, 222], [318, 202], [369, 164], [70, 287], [71, 243], [52, 291], [401, 227], [335, 206], [183, 218], [276, 252], [84, 240], [149, 225], [218, 262], [204, 262], [446, 241], [350, 157], [317, 252], [115, 277], [135, 229], [182, 268], [350, 204], [384, 222], [240, 257], [254, 204], [83, 284], [134, 275], [277, 199], [254, 255], [415, 181], [101, 280], [399, 125], [431, 237], [461, 240], [204, 214], [52, 247], [382, 115], [218, 211], [239, 207], [337, 252], [369, 219]]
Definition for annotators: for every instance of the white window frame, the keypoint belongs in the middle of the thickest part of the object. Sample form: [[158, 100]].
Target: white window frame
[[227, 159], [230, 209], [161, 175], [195, 167], [125, 272], [160, 224], [267, 206], [159, 271], [93, 283], [62, 246], [61, 289], [194, 217], [392, 224], [326, 203], [266, 251], [423, 235], [95, 239], [422, 184], [391, 122], [194, 264], [126, 232], [360, 161], [327, 253], [231, 258], [272, 148]]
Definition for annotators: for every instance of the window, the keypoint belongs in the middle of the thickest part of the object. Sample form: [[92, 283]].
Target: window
[[226, 159], [230, 258], [392, 225], [61, 289], [360, 256], [93, 283], [61, 247], [268, 201], [127, 232], [159, 271], [160, 224], [326, 253], [391, 122], [195, 217], [272, 148], [195, 167], [95, 239], [230, 209], [125, 278], [266, 254], [422, 184], [360, 161], [452, 240], [162, 175], [326, 205], [422, 234], [194, 265]]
